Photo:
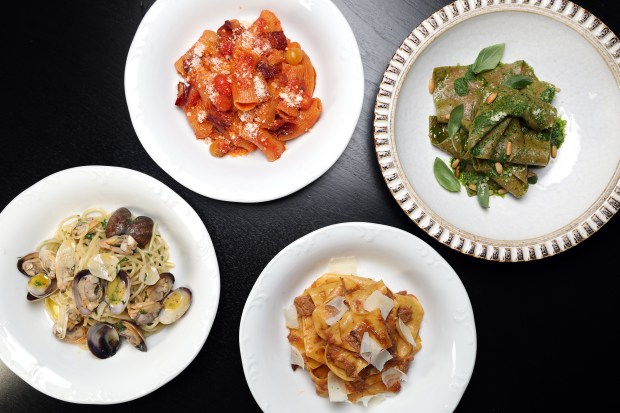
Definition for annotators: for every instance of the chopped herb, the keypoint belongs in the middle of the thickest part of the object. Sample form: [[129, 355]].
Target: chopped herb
[[145, 275], [104, 224], [142, 312], [89, 236], [38, 283], [120, 327], [123, 301], [460, 86]]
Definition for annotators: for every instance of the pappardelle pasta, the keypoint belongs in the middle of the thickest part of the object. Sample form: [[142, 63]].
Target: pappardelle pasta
[[103, 277], [248, 86], [354, 336]]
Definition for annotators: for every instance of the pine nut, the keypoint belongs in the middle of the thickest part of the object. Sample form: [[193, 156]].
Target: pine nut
[[558, 90], [554, 151], [431, 85], [456, 163], [457, 173], [472, 187], [499, 168], [509, 149], [491, 97], [501, 191]]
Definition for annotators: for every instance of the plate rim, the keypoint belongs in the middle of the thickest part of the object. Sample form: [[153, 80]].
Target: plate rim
[[468, 314], [600, 36], [144, 135], [139, 393]]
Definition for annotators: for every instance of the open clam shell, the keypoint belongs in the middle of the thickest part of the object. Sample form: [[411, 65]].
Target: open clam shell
[[40, 286], [117, 292], [87, 292], [175, 305]]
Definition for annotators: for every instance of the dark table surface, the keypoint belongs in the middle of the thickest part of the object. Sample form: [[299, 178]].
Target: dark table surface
[[547, 330]]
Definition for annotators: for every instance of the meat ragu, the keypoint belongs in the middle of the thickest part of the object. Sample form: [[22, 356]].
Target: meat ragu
[[247, 87]]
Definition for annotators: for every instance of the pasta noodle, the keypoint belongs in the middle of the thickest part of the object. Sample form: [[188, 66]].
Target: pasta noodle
[[106, 269], [247, 87], [354, 336]]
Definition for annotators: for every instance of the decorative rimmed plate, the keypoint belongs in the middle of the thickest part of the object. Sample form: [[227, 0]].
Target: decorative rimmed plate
[[170, 28], [66, 372], [440, 371], [576, 194]]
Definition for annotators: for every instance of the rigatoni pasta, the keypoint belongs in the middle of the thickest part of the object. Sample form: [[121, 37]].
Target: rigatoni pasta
[[248, 87]]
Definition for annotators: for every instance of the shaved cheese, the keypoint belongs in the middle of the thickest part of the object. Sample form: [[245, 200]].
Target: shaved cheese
[[103, 266], [336, 388], [340, 306], [342, 265], [405, 333], [373, 353], [371, 401], [296, 358], [392, 375], [290, 315], [380, 301]]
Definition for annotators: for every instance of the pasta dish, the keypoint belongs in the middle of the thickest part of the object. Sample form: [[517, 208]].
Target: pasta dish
[[354, 336], [248, 86], [103, 277]]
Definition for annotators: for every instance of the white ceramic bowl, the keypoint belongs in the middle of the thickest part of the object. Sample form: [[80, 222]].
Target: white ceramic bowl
[[171, 27]]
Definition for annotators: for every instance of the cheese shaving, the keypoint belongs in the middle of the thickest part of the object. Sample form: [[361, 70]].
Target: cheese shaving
[[340, 306], [405, 333], [373, 353], [342, 265], [336, 388], [380, 301], [392, 375], [296, 358], [290, 315]]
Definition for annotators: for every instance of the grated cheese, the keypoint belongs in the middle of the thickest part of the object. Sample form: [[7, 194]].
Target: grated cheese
[[259, 89]]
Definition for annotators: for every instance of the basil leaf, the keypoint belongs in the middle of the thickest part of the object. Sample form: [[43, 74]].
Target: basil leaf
[[483, 194], [460, 86], [488, 58], [518, 81], [454, 124], [445, 177]]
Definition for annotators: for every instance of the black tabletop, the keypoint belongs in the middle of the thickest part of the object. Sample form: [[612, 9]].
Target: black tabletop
[[545, 329]]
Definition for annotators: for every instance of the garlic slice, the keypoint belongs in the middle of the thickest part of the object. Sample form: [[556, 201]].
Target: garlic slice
[[392, 375], [290, 316], [149, 275], [371, 401], [405, 333], [380, 301], [336, 388], [297, 358], [342, 265], [103, 266], [340, 306], [373, 353]]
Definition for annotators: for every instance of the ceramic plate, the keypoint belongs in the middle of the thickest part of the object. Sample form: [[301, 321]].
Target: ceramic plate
[[171, 27], [576, 194], [68, 372], [440, 371]]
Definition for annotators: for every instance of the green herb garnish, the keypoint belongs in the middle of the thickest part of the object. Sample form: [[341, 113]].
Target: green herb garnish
[[518, 81], [454, 124], [532, 179], [460, 86], [445, 177], [120, 327], [89, 236], [488, 58], [483, 194]]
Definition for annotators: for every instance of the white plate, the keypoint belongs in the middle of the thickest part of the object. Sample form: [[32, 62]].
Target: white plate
[[440, 371], [172, 26], [65, 371], [574, 196]]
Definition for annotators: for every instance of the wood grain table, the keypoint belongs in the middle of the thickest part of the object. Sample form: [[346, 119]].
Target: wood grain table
[[547, 330]]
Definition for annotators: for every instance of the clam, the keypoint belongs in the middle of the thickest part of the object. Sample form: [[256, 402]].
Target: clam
[[141, 229], [67, 327], [175, 305], [103, 266], [83, 227], [65, 262], [40, 286], [117, 292], [76, 335], [144, 313], [87, 292], [132, 333], [120, 244], [103, 340], [161, 288], [30, 264], [118, 223]]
